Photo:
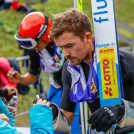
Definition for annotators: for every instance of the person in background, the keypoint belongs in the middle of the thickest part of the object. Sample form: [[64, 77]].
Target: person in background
[[6, 4], [7, 88], [43, 53], [4, 68], [21, 7], [7, 64], [1, 2]]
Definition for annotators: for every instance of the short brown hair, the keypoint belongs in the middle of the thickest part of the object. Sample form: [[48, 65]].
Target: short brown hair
[[71, 21]]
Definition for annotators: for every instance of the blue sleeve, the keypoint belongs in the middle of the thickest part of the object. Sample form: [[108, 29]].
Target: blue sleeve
[[5, 128], [41, 120], [4, 109]]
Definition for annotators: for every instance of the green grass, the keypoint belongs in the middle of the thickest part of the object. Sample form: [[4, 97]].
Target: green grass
[[124, 11], [10, 20]]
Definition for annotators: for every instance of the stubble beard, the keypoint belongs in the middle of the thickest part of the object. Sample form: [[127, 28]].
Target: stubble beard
[[75, 62]]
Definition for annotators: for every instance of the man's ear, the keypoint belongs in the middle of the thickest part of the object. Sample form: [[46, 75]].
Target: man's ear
[[88, 37]]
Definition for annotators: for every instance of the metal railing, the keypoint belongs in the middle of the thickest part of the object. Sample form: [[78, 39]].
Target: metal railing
[[128, 40]]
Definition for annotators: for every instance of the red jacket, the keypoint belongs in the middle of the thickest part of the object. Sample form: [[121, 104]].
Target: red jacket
[[4, 68], [15, 5]]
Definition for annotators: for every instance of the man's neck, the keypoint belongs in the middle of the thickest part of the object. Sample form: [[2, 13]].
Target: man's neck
[[88, 61], [89, 58]]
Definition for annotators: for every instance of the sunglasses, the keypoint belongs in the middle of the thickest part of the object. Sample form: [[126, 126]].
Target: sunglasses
[[29, 43]]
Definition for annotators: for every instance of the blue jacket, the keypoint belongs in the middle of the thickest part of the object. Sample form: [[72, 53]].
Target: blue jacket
[[4, 109], [41, 122]]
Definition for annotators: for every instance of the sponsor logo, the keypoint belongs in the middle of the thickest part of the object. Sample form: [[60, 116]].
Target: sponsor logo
[[105, 45], [108, 73], [107, 51], [56, 58], [101, 11], [108, 91], [42, 31], [109, 111]]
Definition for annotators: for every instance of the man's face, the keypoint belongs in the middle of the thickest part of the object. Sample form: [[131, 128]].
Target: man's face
[[74, 49], [41, 45]]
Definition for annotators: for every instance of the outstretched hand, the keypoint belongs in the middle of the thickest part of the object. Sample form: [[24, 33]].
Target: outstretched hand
[[11, 90], [41, 101], [13, 76], [105, 117]]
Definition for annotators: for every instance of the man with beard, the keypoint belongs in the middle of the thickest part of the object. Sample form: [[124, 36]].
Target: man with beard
[[72, 32]]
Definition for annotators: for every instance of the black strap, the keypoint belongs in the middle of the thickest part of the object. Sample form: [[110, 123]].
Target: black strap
[[43, 30]]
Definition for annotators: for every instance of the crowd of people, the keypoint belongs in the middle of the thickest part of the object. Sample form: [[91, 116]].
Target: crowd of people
[[65, 48]]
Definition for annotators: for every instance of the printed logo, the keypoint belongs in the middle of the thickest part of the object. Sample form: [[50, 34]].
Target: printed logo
[[56, 58], [108, 91], [107, 51], [101, 51], [108, 73], [42, 32], [105, 45], [93, 87], [101, 14], [109, 111], [89, 98]]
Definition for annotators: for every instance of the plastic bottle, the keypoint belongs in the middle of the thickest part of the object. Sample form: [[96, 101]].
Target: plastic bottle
[[13, 101]]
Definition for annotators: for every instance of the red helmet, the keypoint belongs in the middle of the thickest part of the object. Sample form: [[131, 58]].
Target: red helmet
[[33, 24]]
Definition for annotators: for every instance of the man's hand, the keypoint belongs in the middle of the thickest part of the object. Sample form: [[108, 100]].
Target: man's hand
[[4, 117], [13, 76], [11, 90], [105, 117], [13, 110], [43, 102]]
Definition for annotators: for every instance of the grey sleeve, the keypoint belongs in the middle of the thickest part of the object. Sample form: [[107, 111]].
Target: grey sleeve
[[60, 124], [128, 118]]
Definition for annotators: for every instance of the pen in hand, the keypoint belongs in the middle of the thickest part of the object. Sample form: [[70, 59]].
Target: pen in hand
[[13, 71], [37, 97]]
